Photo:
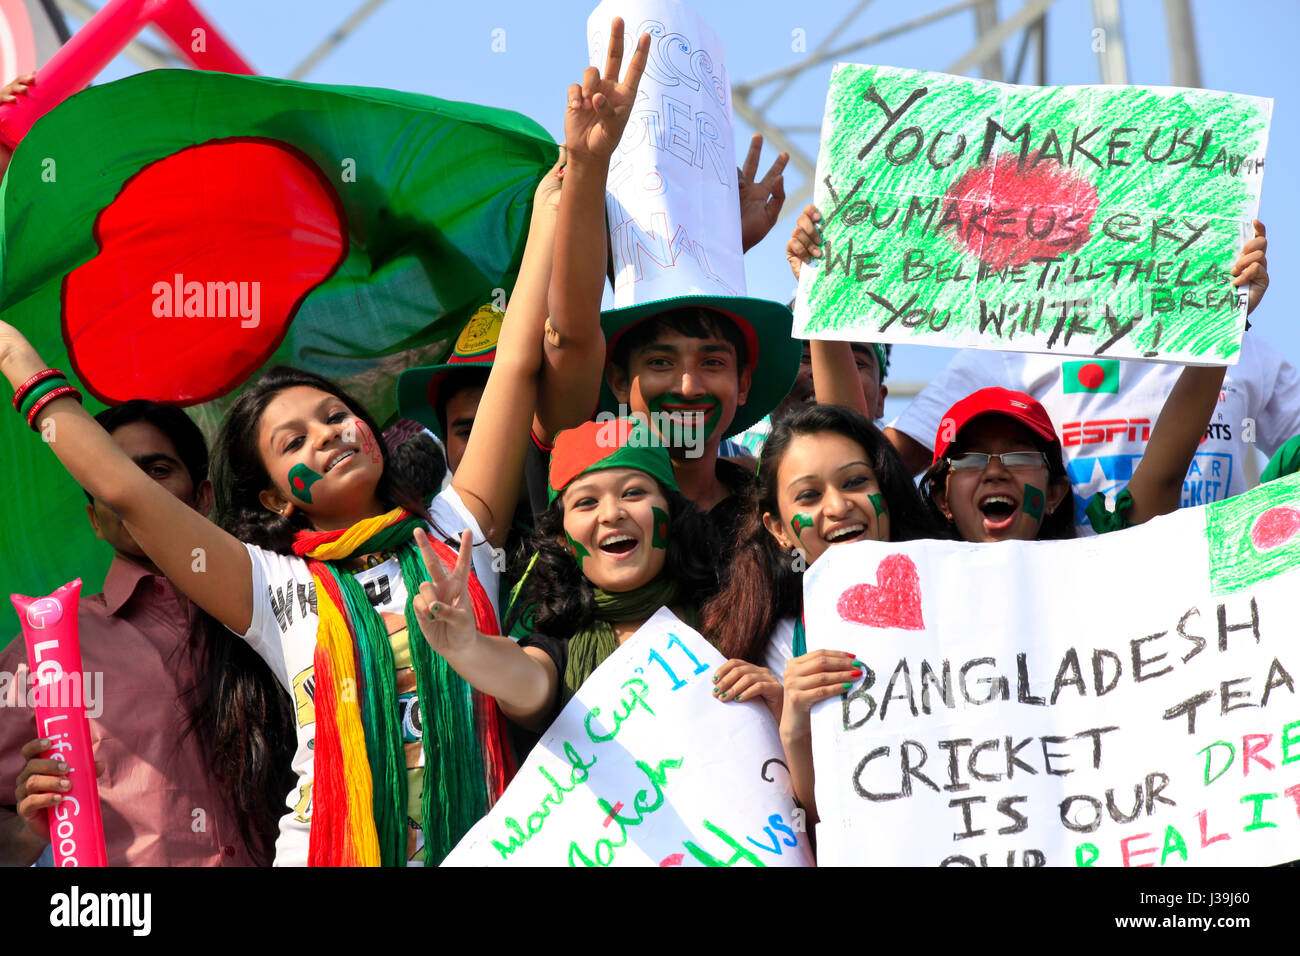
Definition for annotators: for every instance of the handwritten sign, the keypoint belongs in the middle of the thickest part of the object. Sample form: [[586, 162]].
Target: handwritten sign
[[1126, 700], [1076, 220], [671, 197], [644, 767]]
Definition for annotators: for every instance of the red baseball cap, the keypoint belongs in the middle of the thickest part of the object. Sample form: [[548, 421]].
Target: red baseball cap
[[994, 401]]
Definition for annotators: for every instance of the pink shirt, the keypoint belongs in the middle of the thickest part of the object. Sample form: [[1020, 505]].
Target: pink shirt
[[161, 804]]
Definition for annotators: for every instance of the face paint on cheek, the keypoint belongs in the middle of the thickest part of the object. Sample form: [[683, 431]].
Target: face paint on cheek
[[579, 552], [799, 522], [369, 447], [1034, 502], [301, 478], [878, 502], [659, 539]]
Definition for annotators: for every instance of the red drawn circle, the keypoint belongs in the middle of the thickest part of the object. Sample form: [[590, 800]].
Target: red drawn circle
[[299, 484], [1009, 215], [204, 258], [1274, 527]]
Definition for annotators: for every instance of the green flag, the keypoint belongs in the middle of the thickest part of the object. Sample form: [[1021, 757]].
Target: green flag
[[1093, 375], [169, 235]]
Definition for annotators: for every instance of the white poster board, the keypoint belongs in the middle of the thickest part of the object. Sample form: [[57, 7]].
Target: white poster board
[[644, 767], [1125, 700], [671, 197]]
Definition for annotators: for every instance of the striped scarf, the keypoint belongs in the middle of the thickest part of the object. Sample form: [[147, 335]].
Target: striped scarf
[[359, 798]]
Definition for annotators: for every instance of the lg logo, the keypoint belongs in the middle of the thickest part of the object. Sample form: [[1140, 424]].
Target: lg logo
[[44, 613]]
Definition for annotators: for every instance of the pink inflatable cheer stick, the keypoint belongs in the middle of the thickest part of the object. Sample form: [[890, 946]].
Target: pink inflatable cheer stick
[[54, 656]]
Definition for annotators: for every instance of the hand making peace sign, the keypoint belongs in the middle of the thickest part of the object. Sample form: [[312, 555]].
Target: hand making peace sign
[[599, 107], [443, 606]]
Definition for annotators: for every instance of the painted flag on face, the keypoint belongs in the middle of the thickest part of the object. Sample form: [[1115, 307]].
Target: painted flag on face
[[1090, 376], [1034, 502]]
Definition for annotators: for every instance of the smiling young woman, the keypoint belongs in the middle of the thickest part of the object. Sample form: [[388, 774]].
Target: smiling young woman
[[617, 542], [827, 477], [998, 473]]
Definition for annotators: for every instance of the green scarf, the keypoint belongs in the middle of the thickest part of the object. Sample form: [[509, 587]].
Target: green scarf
[[589, 647]]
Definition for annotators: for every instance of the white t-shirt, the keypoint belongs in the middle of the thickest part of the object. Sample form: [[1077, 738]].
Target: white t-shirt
[[780, 648], [283, 632], [1103, 436]]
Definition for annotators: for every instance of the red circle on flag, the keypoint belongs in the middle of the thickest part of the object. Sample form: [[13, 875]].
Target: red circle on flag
[[299, 484], [1091, 375], [204, 259], [1274, 527]]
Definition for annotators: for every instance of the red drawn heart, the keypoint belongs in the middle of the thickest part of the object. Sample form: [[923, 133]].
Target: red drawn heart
[[894, 602], [1274, 527], [1007, 215]]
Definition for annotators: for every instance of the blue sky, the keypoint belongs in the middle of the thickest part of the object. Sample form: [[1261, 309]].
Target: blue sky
[[446, 49]]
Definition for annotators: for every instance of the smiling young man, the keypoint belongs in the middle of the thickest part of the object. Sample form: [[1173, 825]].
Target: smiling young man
[[704, 373]]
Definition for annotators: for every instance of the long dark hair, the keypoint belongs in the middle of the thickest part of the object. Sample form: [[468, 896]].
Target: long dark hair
[[241, 475], [1056, 526], [245, 722], [761, 586], [556, 598]]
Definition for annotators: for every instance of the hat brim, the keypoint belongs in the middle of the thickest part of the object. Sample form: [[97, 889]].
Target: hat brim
[[774, 355], [417, 392]]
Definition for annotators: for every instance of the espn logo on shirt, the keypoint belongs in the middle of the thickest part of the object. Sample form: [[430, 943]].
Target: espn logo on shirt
[[1091, 377], [1101, 430]]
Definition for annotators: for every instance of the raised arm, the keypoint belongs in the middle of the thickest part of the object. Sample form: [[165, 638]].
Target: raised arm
[[834, 369], [492, 468], [206, 563], [1157, 483], [574, 351]]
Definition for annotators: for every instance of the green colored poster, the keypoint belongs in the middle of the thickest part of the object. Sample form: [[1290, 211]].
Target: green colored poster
[[1080, 220]]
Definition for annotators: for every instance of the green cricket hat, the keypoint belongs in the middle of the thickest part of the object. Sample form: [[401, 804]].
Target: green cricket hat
[[418, 389]]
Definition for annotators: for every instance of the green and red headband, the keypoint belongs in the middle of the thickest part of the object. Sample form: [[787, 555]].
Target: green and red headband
[[613, 443]]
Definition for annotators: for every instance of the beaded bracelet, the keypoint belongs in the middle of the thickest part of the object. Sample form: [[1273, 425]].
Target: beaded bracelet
[[39, 389], [62, 390], [20, 393]]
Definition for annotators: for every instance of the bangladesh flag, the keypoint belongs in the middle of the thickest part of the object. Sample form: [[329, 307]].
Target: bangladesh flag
[[1094, 375], [169, 235], [1254, 536]]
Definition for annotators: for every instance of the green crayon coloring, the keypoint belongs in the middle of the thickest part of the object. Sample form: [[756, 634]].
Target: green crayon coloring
[[799, 522], [301, 478], [1033, 503]]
